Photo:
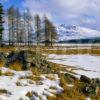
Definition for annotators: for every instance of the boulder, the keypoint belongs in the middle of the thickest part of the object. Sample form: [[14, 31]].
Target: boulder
[[85, 79], [11, 58], [87, 90], [90, 90], [97, 80], [2, 56]]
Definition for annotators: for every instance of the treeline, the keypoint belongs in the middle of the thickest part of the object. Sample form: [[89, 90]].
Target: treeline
[[23, 28]]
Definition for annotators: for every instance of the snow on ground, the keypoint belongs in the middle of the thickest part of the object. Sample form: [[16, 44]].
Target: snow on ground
[[86, 64], [17, 88], [88, 98]]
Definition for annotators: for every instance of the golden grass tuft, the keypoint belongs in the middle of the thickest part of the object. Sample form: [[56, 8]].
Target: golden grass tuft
[[35, 71], [8, 73], [50, 77], [69, 93], [34, 78], [72, 51], [29, 94], [3, 91], [2, 63], [18, 83], [16, 66]]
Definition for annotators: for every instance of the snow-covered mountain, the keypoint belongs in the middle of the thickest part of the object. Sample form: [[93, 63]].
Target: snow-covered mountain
[[71, 32]]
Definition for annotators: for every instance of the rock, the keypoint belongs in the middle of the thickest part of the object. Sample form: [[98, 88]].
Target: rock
[[25, 58], [97, 80], [33, 64], [11, 58], [87, 90], [90, 89], [71, 76], [22, 55], [85, 79], [2, 56]]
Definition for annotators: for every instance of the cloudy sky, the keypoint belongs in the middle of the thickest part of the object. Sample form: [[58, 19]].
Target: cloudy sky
[[71, 12]]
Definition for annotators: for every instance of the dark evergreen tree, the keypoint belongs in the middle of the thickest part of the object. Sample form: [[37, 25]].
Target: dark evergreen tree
[[1, 23]]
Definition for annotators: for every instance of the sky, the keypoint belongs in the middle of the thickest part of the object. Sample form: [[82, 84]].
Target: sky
[[84, 13]]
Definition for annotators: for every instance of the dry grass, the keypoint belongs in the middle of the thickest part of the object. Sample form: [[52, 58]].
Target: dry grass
[[2, 63], [53, 88], [57, 50], [50, 77], [72, 51], [16, 66], [68, 93], [34, 78], [3, 91], [8, 73], [35, 71], [29, 94], [97, 97], [18, 83], [72, 93]]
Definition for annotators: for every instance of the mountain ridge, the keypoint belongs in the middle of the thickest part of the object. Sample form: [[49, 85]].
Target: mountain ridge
[[72, 32]]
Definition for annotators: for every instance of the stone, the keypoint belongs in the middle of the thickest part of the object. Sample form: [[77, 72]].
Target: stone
[[85, 79], [97, 80], [90, 89]]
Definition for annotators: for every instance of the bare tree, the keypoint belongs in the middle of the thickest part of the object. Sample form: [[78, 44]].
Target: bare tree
[[1, 23], [28, 26], [18, 22], [50, 33], [37, 28], [11, 21]]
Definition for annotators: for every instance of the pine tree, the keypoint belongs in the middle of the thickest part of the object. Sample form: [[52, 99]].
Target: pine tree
[[37, 28], [1, 23]]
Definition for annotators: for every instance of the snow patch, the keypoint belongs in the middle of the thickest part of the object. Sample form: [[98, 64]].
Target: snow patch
[[18, 91], [86, 64]]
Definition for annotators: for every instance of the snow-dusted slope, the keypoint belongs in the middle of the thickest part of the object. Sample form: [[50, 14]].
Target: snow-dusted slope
[[75, 32]]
